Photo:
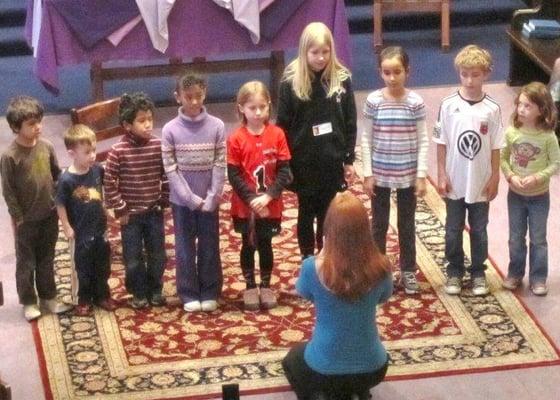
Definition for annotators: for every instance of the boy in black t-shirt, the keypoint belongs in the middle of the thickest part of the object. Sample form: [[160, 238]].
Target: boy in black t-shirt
[[79, 203]]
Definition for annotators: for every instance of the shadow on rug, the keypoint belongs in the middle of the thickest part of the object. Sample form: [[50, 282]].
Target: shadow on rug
[[164, 353]]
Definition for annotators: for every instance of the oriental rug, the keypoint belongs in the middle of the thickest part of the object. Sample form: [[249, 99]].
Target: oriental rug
[[165, 353]]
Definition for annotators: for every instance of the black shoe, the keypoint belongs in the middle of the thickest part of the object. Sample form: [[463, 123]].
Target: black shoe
[[138, 303], [158, 300]]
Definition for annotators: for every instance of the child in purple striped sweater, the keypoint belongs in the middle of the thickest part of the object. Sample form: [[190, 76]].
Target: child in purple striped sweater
[[394, 154], [193, 148]]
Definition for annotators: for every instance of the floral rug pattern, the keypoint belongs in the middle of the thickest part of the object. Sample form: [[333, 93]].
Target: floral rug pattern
[[163, 352]]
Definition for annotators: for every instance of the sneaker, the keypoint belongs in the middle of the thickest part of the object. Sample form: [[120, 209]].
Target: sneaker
[[31, 312], [82, 310], [539, 288], [408, 281], [107, 304], [192, 306], [251, 299], [511, 283], [209, 305], [453, 285], [54, 306], [480, 286], [138, 302], [158, 300], [268, 298]]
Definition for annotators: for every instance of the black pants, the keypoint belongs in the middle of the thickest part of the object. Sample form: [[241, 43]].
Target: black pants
[[35, 244], [406, 207], [93, 265], [311, 207], [264, 231], [310, 385]]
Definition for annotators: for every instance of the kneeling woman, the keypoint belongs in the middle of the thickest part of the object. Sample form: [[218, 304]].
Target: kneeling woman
[[346, 282]]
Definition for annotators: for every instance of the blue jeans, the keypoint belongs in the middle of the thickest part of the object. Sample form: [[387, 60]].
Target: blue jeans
[[199, 269], [532, 212], [454, 227], [144, 273], [93, 264]]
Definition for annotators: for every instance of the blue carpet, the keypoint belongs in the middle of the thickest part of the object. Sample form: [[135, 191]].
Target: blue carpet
[[429, 66]]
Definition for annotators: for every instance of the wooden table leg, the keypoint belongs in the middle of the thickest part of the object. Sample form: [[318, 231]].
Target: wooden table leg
[[445, 34], [377, 26]]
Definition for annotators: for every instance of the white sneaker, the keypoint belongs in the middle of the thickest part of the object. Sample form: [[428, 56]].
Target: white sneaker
[[209, 305], [539, 288], [480, 286], [453, 285], [31, 312], [192, 306], [54, 306]]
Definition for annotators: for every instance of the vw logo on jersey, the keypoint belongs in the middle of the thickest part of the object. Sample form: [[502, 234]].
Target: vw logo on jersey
[[469, 144]]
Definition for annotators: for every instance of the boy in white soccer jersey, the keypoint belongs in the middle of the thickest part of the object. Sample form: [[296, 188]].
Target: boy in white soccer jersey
[[469, 137]]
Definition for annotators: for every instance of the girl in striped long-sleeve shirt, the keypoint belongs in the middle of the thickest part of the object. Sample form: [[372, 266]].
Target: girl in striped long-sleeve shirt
[[394, 154], [137, 189]]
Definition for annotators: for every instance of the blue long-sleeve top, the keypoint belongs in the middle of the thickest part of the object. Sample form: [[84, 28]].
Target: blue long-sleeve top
[[345, 339]]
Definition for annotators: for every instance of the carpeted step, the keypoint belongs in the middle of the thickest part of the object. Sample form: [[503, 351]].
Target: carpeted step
[[12, 13], [463, 13], [12, 42]]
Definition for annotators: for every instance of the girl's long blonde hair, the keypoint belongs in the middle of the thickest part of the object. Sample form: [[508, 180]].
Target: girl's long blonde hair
[[298, 71], [352, 264]]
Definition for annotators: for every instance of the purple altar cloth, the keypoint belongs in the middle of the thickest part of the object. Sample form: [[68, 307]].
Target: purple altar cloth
[[89, 21], [197, 28]]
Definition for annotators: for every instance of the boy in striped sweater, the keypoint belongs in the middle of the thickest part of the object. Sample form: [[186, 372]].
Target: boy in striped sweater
[[137, 189]]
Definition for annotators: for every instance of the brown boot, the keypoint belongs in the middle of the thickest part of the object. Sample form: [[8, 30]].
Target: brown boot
[[251, 299], [268, 298]]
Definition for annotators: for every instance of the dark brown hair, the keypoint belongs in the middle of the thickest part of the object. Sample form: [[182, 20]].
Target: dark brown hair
[[131, 104], [23, 108], [190, 79], [392, 52], [538, 93], [352, 263]]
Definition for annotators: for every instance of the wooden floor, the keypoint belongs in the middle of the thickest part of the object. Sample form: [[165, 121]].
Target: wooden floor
[[18, 360]]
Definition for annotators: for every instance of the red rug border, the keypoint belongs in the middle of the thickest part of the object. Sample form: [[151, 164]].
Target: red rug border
[[286, 388], [42, 361]]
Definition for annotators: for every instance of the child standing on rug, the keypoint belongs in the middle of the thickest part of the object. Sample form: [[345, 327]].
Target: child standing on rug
[[79, 203], [29, 170], [258, 170], [316, 109], [193, 148], [395, 156], [136, 188], [346, 282], [469, 137], [530, 158]]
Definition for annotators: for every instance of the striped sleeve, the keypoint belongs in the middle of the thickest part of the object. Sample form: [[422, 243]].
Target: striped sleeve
[[423, 141], [113, 197]]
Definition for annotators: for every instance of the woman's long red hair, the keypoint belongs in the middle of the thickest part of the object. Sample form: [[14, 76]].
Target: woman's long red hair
[[352, 264]]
